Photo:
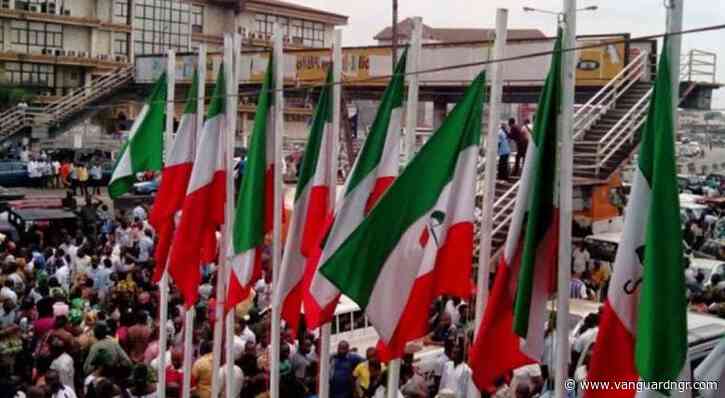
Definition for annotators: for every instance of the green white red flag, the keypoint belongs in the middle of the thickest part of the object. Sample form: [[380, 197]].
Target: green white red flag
[[375, 169], [174, 181], [144, 149], [311, 208], [416, 244], [202, 214], [511, 333], [255, 203], [643, 331]]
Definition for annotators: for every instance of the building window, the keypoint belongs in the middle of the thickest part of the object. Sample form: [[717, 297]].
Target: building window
[[160, 26], [197, 19], [120, 43], [120, 9], [36, 36], [298, 31], [38, 75]]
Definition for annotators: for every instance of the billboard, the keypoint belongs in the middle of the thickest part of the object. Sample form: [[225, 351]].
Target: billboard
[[370, 66]]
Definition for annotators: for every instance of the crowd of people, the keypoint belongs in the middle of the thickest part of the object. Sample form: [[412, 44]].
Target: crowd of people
[[59, 172], [80, 313]]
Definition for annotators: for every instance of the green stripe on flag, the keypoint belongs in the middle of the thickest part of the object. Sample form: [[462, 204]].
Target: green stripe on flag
[[661, 345], [322, 116], [249, 214], [145, 143], [372, 150], [355, 266], [541, 205], [192, 94], [219, 96]]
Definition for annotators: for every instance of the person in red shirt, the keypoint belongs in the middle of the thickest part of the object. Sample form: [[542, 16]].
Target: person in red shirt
[[174, 373], [138, 338]]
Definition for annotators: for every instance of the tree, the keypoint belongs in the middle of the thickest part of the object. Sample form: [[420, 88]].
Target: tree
[[11, 96]]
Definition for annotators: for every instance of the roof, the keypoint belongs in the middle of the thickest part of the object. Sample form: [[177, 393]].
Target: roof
[[405, 28], [293, 6]]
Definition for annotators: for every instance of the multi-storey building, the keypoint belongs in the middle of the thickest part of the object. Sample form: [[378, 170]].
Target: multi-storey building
[[52, 46]]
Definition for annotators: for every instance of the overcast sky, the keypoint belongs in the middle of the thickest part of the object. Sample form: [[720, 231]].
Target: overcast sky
[[638, 17]]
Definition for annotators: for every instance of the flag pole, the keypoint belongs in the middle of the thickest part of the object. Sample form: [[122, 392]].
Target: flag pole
[[164, 282], [674, 24], [489, 178], [189, 316], [411, 124], [568, 69], [413, 88], [231, 60], [221, 272], [324, 387], [278, 57]]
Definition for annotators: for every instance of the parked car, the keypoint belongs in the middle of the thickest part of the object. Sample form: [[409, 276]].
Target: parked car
[[712, 249], [716, 181], [14, 174], [689, 184], [147, 187]]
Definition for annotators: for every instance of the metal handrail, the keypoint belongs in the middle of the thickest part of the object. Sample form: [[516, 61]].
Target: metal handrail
[[603, 100], [15, 118], [626, 126], [692, 64]]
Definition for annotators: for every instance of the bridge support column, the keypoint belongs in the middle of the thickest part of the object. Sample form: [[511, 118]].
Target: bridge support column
[[440, 108]]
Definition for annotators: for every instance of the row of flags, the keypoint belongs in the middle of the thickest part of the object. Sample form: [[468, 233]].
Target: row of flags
[[397, 240]]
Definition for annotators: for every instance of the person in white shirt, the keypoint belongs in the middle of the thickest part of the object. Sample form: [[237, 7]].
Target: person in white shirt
[[456, 374], [63, 276], [96, 174], [7, 292], [139, 212], [581, 258], [55, 182], [237, 378], [62, 362], [83, 262], [145, 246], [57, 388], [25, 154]]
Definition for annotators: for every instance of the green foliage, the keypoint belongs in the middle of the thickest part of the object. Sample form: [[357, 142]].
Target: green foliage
[[11, 96]]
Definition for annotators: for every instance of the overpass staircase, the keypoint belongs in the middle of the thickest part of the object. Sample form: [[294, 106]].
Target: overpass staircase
[[606, 133], [63, 112]]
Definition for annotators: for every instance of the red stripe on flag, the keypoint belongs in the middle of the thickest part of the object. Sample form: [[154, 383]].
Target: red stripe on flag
[[451, 276], [612, 357], [381, 185], [317, 210], [495, 351], [195, 241], [237, 293], [168, 201]]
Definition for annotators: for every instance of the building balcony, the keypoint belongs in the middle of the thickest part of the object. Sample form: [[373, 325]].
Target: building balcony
[[67, 58], [63, 19]]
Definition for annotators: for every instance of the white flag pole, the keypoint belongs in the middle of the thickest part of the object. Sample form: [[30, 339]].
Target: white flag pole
[[411, 112], [324, 391], [278, 57], [411, 124], [568, 69], [164, 282], [231, 62], [489, 178], [674, 24], [189, 316]]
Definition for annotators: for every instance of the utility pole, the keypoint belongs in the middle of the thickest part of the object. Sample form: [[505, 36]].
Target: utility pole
[[395, 34]]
